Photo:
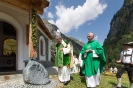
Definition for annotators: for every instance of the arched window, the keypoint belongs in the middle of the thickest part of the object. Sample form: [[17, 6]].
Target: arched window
[[42, 46], [9, 47], [41, 49]]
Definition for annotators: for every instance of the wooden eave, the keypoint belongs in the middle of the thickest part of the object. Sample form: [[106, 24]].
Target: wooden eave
[[39, 5], [43, 27]]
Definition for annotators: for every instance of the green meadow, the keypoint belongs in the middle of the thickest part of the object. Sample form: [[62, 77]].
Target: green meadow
[[107, 81]]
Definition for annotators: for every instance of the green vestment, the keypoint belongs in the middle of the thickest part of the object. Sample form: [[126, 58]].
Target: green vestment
[[91, 64], [60, 58]]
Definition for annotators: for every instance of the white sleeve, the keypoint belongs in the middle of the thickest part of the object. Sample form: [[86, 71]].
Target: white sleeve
[[132, 56], [63, 43], [94, 54], [67, 49], [80, 59], [121, 55], [85, 54], [76, 61]]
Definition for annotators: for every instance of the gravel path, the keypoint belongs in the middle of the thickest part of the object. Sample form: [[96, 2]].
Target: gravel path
[[20, 84]]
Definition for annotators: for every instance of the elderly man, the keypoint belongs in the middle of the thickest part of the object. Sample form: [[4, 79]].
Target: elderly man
[[93, 61], [63, 56], [126, 58]]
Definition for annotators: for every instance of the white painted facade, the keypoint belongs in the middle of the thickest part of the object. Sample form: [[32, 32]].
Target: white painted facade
[[19, 19]]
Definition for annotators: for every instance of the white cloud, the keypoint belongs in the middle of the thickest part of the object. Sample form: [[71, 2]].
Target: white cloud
[[71, 18], [96, 37], [51, 21], [50, 15]]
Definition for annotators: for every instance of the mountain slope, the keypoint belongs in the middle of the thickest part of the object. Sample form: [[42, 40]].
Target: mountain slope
[[121, 31], [77, 45]]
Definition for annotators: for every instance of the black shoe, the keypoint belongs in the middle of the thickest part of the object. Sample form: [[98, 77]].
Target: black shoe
[[65, 83]]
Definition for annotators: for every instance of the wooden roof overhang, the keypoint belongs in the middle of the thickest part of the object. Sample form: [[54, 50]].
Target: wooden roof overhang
[[43, 27], [39, 5]]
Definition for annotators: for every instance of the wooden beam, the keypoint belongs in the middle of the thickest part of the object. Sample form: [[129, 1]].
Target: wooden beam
[[44, 4], [27, 34], [36, 2], [24, 4], [39, 5], [18, 3], [38, 9]]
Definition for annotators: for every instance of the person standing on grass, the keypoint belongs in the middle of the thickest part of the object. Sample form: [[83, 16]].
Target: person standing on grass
[[111, 70], [63, 58], [126, 58], [75, 65], [80, 63], [115, 70], [93, 61]]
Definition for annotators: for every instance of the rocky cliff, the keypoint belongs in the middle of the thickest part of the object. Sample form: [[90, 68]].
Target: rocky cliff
[[121, 31]]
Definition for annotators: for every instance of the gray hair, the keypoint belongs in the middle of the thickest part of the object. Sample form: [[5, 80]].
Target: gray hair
[[91, 34], [57, 34]]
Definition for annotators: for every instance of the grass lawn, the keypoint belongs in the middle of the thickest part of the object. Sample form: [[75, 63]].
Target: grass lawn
[[107, 81]]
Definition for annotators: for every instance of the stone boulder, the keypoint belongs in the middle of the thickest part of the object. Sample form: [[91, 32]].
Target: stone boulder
[[35, 73]]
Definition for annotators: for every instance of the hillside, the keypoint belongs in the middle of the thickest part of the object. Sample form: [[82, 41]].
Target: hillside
[[121, 31], [77, 45]]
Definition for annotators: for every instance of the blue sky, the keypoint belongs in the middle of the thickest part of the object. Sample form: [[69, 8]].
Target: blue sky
[[76, 18]]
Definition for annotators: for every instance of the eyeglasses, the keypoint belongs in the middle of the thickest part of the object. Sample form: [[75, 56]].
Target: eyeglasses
[[88, 36]]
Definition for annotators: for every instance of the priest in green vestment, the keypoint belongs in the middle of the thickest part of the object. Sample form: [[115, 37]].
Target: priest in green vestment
[[63, 58], [93, 61]]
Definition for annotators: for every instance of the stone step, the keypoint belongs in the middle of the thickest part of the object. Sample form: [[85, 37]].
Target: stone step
[[9, 76], [8, 73], [5, 78]]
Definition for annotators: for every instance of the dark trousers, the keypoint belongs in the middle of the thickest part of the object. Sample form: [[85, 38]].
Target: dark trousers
[[81, 74], [128, 68]]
